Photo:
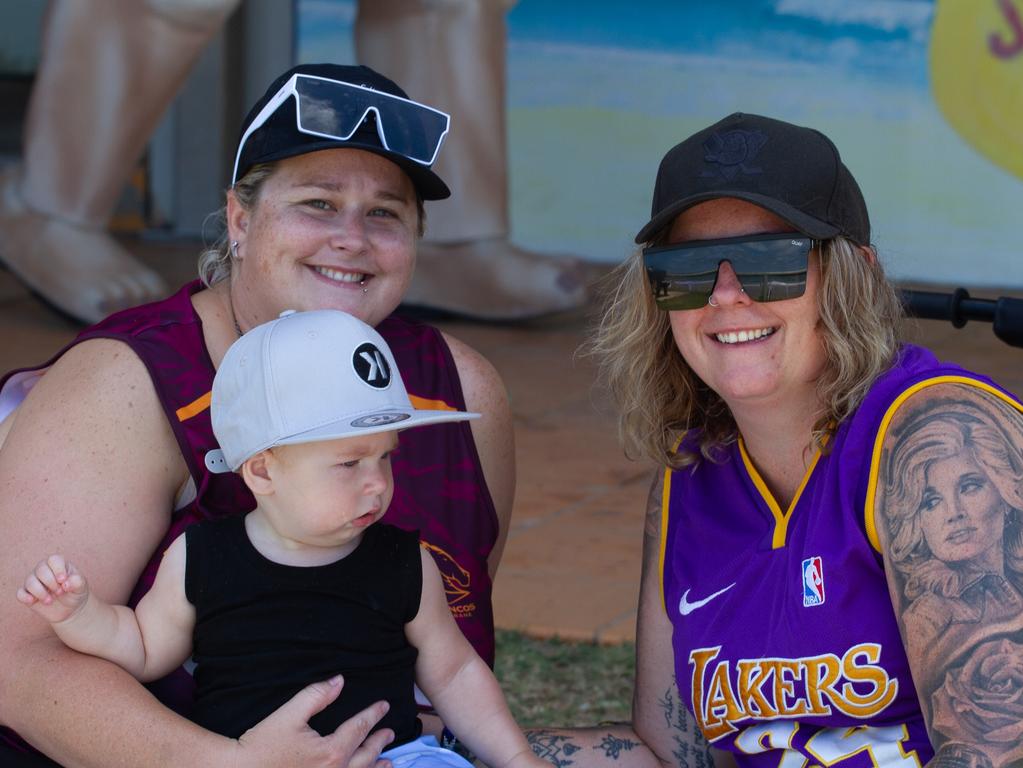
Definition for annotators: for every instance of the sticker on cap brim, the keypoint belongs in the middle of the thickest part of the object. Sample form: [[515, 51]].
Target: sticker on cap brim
[[379, 420]]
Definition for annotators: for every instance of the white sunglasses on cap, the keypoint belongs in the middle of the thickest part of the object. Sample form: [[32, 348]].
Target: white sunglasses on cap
[[335, 109]]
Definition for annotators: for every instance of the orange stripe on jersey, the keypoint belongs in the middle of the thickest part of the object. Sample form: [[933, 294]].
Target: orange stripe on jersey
[[430, 405], [200, 404], [194, 408]]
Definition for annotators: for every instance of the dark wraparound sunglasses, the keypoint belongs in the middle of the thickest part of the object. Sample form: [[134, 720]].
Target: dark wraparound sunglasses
[[769, 268]]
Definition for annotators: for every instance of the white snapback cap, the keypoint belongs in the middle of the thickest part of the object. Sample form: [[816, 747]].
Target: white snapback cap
[[307, 377]]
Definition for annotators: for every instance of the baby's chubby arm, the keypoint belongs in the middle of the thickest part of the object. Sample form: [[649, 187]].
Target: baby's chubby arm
[[460, 685], [149, 642]]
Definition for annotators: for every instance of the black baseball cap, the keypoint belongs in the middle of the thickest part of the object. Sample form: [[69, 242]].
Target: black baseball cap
[[279, 138], [792, 171]]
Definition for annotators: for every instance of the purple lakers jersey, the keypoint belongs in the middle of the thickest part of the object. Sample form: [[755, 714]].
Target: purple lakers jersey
[[439, 485], [785, 642]]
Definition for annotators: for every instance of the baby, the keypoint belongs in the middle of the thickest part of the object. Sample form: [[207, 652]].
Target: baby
[[309, 584]]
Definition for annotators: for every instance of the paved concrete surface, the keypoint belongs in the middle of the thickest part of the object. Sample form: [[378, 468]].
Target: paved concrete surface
[[571, 566]]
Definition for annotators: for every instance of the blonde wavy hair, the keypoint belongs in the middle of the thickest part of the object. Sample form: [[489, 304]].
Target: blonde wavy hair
[[215, 260], [660, 398]]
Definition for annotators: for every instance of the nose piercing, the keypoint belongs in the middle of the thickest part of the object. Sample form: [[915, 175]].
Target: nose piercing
[[714, 302]]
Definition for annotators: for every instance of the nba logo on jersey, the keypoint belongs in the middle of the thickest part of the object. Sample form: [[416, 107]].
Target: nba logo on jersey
[[813, 582]]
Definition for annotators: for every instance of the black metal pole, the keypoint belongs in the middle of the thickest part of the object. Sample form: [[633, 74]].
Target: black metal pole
[[1005, 313]]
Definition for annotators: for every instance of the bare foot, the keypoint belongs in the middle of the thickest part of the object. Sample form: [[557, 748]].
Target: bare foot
[[495, 280], [81, 271]]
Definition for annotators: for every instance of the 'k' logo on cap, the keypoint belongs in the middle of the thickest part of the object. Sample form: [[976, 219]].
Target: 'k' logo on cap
[[371, 366], [732, 152]]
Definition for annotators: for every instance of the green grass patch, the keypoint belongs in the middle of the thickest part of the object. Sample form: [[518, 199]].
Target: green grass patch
[[561, 683]]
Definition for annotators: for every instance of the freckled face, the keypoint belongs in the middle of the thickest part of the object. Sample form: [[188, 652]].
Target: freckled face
[[961, 513], [783, 355], [334, 229]]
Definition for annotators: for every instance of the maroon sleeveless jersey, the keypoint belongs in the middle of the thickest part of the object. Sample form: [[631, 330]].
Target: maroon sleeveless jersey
[[439, 487]]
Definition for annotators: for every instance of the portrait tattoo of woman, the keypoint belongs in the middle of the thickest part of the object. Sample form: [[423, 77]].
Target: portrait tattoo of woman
[[951, 502]]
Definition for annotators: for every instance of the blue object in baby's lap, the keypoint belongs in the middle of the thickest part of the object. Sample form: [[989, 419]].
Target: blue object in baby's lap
[[424, 752]]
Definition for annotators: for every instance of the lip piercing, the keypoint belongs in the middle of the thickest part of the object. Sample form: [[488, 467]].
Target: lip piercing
[[363, 284]]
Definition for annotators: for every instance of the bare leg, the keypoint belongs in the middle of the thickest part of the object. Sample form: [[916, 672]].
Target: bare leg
[[109, 69], [451, 54]]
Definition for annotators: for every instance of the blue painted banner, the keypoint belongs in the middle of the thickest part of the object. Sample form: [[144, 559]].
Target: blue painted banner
[[599, 90]]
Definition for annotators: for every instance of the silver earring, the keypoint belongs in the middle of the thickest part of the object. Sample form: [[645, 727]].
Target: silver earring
[[712, 301], [234, 248]]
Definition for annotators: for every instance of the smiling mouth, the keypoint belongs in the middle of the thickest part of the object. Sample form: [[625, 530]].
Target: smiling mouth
[[341, 277], [961, 535], [739, 337]]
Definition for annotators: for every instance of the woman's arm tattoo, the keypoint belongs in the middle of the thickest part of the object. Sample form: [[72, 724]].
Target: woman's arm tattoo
[[959, 756], [556, 748], [613, 746], [691, 748], [584, 746], [949, 514]]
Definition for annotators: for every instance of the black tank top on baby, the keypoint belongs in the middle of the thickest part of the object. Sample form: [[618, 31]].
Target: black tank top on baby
[[263, 630]]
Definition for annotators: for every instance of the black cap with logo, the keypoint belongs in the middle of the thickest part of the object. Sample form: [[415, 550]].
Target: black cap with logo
[[279, 138], [792, 171]]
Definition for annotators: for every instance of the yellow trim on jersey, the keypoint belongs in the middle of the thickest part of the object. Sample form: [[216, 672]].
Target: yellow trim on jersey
[[665, 498], [781, 520], [430, 405], [194, 408], [875, 459]]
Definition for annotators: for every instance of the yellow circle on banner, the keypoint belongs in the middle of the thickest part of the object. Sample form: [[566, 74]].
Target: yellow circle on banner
[[976, 61]]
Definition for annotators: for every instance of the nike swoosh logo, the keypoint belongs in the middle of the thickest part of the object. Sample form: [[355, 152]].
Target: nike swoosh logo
[[685, 607]]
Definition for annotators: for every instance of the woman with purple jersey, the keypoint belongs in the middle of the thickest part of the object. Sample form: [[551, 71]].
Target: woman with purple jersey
[[751, 345], [104, 454]]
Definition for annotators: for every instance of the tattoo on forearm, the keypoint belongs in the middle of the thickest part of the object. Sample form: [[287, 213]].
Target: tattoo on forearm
[[688, 756], [555, 748], [668, 707], [691, 748], [614, 746]]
